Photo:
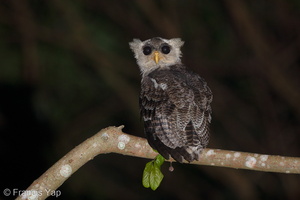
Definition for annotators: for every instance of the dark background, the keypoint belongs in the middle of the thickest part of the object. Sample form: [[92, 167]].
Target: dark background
[[66, 71]]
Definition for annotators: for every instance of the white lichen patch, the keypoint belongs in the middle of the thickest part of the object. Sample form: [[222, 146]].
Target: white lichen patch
[[123, 140], [95, 145], [228, 155], [210, 152], [137, 145], [121, 145], [250, 162], [287, 172], [65, 170], [263, 158], [104, 136], [237, 154]]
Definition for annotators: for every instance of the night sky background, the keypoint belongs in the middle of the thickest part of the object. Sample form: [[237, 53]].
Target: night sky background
[[66, 72]]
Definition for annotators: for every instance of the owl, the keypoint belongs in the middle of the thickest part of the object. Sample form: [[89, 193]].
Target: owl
[[174, 102]]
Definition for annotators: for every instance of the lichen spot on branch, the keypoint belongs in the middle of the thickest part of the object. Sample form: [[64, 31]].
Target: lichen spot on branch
[[104, 136], [121, 145], [210, 152], [137, 145], [122, 141], [264, 158], [65, 170], [236, 155], [228, 155], [250, 162]]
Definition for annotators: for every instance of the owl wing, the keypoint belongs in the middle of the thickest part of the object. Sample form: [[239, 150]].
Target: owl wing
[[175, 113]]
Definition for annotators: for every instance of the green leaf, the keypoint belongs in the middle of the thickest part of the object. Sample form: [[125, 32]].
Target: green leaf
[[152, 176], [159, 160], [155, 150], [146, 174], [155, 177]]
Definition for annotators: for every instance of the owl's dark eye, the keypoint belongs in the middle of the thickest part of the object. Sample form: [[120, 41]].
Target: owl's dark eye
[[147, 50], [165, 49]]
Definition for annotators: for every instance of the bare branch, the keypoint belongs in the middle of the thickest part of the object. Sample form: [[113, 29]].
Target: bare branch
[[113, 140]]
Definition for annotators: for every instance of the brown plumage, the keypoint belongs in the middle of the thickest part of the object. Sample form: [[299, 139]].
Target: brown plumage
[[174, 102]]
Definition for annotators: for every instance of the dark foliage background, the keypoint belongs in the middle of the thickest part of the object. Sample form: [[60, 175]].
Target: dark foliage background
[[66, 71]]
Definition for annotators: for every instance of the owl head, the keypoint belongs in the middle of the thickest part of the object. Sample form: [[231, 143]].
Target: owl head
[[156, 53]]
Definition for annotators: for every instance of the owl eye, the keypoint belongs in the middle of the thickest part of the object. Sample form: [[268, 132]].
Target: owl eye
[[165, 49], [147, 50]]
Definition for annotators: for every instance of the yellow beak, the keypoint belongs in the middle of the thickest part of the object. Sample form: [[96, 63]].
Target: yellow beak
[[156, 56]]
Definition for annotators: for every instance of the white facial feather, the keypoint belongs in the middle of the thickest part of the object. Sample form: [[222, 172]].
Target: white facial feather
[[146, 62]]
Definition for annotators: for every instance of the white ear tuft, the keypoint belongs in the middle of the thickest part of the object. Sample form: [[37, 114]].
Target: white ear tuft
[[176, 42], [135, 44]]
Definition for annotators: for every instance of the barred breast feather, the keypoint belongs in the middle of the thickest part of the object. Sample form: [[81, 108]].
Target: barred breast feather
[[175, 108]]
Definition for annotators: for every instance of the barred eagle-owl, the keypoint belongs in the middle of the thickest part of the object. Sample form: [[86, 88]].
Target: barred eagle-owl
[[174, 102]]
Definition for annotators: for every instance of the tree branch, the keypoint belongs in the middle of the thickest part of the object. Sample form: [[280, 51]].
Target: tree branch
[[113, 140]]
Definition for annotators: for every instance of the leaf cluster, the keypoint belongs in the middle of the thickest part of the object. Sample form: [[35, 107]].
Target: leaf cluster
[[152, 175]]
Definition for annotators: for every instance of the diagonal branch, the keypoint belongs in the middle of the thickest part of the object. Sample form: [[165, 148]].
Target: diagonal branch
[[113, 140]]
